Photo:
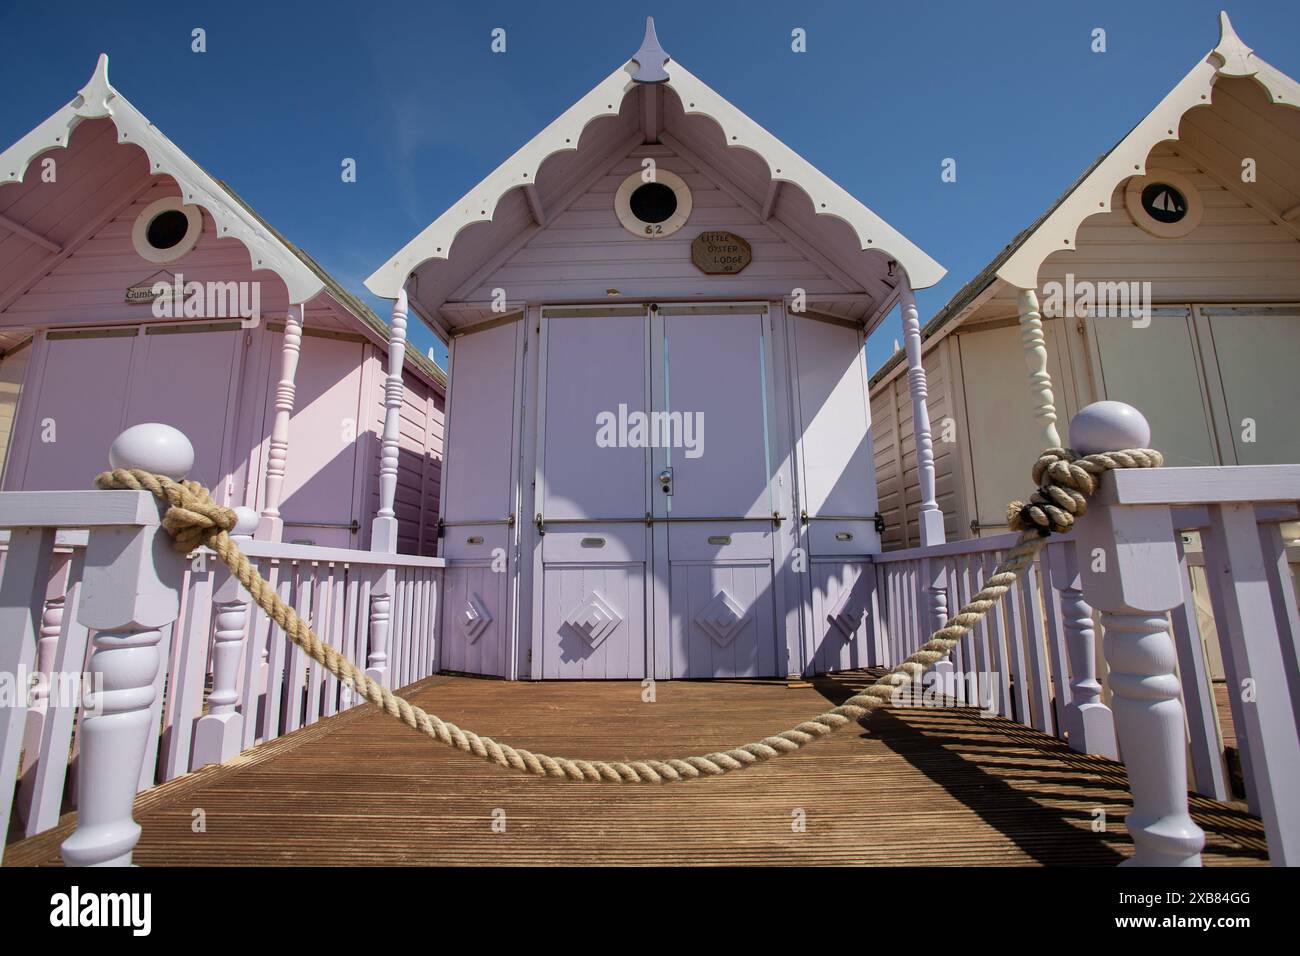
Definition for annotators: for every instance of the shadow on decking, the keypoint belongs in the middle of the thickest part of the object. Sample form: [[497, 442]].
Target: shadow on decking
[[915, 786], [1031, 787]]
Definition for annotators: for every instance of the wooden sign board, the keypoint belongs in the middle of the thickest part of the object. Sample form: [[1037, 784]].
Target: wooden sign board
[[720, 253]]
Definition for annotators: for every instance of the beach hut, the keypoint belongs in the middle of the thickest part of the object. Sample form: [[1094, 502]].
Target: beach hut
[[659, 458], [1167, 277], [135, 287]]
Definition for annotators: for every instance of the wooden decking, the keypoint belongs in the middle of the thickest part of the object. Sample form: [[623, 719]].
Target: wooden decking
[[917, 787]]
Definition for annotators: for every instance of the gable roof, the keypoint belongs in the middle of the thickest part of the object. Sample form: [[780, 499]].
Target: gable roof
[[626, 103], [1056, 230], [98, 100], [268, 249]]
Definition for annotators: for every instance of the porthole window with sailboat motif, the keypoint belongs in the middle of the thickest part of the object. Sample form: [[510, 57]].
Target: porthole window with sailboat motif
[[1164, 203]]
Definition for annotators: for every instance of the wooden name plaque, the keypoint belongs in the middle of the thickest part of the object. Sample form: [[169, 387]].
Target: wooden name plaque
[[720, 253]]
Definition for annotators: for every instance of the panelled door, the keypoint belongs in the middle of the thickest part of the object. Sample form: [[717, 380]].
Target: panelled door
[[654, 494], [592, 491], [714, 499]]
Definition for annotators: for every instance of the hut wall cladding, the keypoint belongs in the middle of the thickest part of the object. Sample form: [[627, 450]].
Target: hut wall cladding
[[89, 286], [895, 452], [95, 172], [1236, 253], [585, 251], [13, 367]]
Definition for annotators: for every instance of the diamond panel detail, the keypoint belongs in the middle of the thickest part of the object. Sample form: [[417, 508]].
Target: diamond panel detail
[[722, 618], [474, 618], [594, 620]]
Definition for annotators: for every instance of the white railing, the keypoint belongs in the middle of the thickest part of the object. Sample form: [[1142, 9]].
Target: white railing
[[1033, 659], [180, 669]]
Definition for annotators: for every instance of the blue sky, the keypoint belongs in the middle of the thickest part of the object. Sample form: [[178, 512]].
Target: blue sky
[[412, 91]]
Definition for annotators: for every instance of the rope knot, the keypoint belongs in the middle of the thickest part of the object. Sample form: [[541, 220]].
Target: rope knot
[[1065, 481], [192, 518]]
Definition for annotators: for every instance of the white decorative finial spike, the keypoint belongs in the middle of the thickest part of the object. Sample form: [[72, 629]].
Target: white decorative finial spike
[[650, 59], [96, 95], [1234, 53], [155, 448], [1108, 426]]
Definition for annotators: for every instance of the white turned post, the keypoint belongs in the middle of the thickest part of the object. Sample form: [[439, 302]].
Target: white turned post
[[130, 591], [383, 534], [929, 518], [218, 734], [1040, 382], [1134, 581], [272, 525], [1089, 722], [383, 530]]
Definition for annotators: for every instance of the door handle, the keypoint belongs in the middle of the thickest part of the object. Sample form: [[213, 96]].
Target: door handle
[[666, 481]]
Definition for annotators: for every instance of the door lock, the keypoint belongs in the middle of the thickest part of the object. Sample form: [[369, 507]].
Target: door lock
[[666, 481]]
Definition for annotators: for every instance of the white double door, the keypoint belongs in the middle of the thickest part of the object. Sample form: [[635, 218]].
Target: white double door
[[655, 487]]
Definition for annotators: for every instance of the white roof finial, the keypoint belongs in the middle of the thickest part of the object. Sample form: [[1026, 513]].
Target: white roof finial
[[1235, 54], [650, 59], [94, 97]]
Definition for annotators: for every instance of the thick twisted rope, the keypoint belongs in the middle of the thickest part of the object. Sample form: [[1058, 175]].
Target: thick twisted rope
[[1065, 483]]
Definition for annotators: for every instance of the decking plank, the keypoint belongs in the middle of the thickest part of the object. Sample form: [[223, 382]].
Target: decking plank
[[920, 786]]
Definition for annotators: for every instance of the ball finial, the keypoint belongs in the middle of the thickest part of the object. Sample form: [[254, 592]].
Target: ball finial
[[153, 447], [1108, 426], [246, 523]]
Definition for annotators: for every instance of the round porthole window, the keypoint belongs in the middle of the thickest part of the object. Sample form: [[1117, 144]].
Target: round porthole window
[[1163, 203], [166, 230], [655, 208]]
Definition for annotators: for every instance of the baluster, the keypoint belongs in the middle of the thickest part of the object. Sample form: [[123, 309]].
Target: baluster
[[132, 583], [1133, 586], [383, 584], [1088, 720], [253, 697], [1277, 569], [961, 594], [997, 641], [879, 615], [277, 654], [986, 697], [1055, 637], [1016, 627], [22, 602], [340, 630], [1251, 637], [1040, 703], [51, 774], [295, 671], [219, 734], [45, 675], [323, 623], [1208, 766]]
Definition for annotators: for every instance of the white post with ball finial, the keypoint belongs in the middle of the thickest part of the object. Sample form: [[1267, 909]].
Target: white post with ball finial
[[130, 591], [218, 734], [1130, 573]]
